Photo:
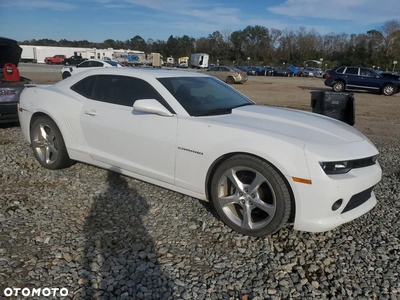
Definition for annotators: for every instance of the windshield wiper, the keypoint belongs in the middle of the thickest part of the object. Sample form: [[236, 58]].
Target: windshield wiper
[[217, 111]]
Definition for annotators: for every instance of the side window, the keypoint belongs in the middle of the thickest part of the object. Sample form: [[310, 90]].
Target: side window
[[124, 90], [85, 86], [96, 64], [84, 64], [351, 71], [224, 69], [366, 73]]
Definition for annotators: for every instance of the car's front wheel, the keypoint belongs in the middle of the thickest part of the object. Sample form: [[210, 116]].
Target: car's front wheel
[[388, 89], [338, 86], [48, 144], [250, 196]]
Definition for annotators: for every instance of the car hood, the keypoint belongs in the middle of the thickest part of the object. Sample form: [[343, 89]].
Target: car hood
[[10, 51], [304, 126], [390, 75]]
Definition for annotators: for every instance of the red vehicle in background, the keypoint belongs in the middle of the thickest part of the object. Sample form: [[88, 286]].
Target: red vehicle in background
[[56, 59]]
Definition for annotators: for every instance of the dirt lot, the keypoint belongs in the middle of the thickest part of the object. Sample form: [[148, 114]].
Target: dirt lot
[[377, 116]]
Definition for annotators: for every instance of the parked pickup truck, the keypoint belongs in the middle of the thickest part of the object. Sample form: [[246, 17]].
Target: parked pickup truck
[[73, 60], [56, 59], [11, 84]]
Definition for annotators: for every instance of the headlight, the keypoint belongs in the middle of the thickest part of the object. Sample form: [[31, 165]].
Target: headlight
[[336, 167], [342, 167]]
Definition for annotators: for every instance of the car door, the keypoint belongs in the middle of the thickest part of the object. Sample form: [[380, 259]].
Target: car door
[[353, 80], [119, 136], [369, 79]]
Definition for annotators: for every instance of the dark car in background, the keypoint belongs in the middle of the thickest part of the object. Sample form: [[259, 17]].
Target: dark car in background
[[11, 83], [253, 71], [280, 71], [359, 78], [266, 71], [74, 60], [311, 72]]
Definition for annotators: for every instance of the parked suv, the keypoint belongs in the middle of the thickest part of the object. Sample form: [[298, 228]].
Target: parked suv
[[73, 60], [358, 78]]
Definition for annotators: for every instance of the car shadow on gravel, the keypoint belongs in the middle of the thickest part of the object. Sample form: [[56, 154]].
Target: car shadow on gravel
[[120, 260], [9, 124]]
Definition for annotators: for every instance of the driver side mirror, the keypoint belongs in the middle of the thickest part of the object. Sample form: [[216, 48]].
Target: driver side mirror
[[151, 106]]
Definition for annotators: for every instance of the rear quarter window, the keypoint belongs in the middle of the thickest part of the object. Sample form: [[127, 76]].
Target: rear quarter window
[[340, 70]]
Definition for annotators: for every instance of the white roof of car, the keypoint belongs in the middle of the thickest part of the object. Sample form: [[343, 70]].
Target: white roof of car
[[140, 72]]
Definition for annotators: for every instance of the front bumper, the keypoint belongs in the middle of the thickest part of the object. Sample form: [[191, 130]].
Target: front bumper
[[315, 210]]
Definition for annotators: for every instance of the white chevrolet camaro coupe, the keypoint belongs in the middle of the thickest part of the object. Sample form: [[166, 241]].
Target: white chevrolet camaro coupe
[[87, 65], [261, 167]]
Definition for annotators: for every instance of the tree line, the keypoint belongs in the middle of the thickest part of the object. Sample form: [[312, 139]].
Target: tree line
[[258, 45]]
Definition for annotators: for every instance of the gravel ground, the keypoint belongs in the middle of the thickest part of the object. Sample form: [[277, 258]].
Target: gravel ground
[[105, 236]]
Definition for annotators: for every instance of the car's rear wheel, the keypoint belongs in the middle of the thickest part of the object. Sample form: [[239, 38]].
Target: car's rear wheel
[[338, 86], [48, 144], [388, 89], [230, 80], [65, 75], [250, 196]]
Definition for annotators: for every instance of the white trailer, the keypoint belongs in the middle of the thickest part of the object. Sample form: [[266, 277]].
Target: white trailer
[[129, 57], [27, 54], [199, 60], [103, 54], [32, 53]]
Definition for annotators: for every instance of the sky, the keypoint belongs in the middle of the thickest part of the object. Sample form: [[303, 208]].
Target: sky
[[99, 20]]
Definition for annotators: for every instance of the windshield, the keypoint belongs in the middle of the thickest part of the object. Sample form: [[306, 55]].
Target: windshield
[[202, 96]]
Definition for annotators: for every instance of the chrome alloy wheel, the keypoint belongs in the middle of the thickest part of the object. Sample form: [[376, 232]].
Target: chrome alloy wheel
[[246, 198], [44, 143], [388, 90], [338, 87]]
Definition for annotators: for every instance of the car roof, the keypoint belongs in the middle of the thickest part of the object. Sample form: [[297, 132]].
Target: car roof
[[100, 60], [140, 72]]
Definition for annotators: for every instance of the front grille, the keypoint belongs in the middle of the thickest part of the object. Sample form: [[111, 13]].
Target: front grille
[[358, 199]]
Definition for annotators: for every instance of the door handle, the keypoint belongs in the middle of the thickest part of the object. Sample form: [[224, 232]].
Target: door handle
[[91, 112]]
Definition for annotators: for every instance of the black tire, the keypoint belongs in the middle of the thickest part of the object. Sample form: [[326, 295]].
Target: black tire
[[338, 86], [50, 149], [268, 204], [65, 75], [388, 89], [230, 80]]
